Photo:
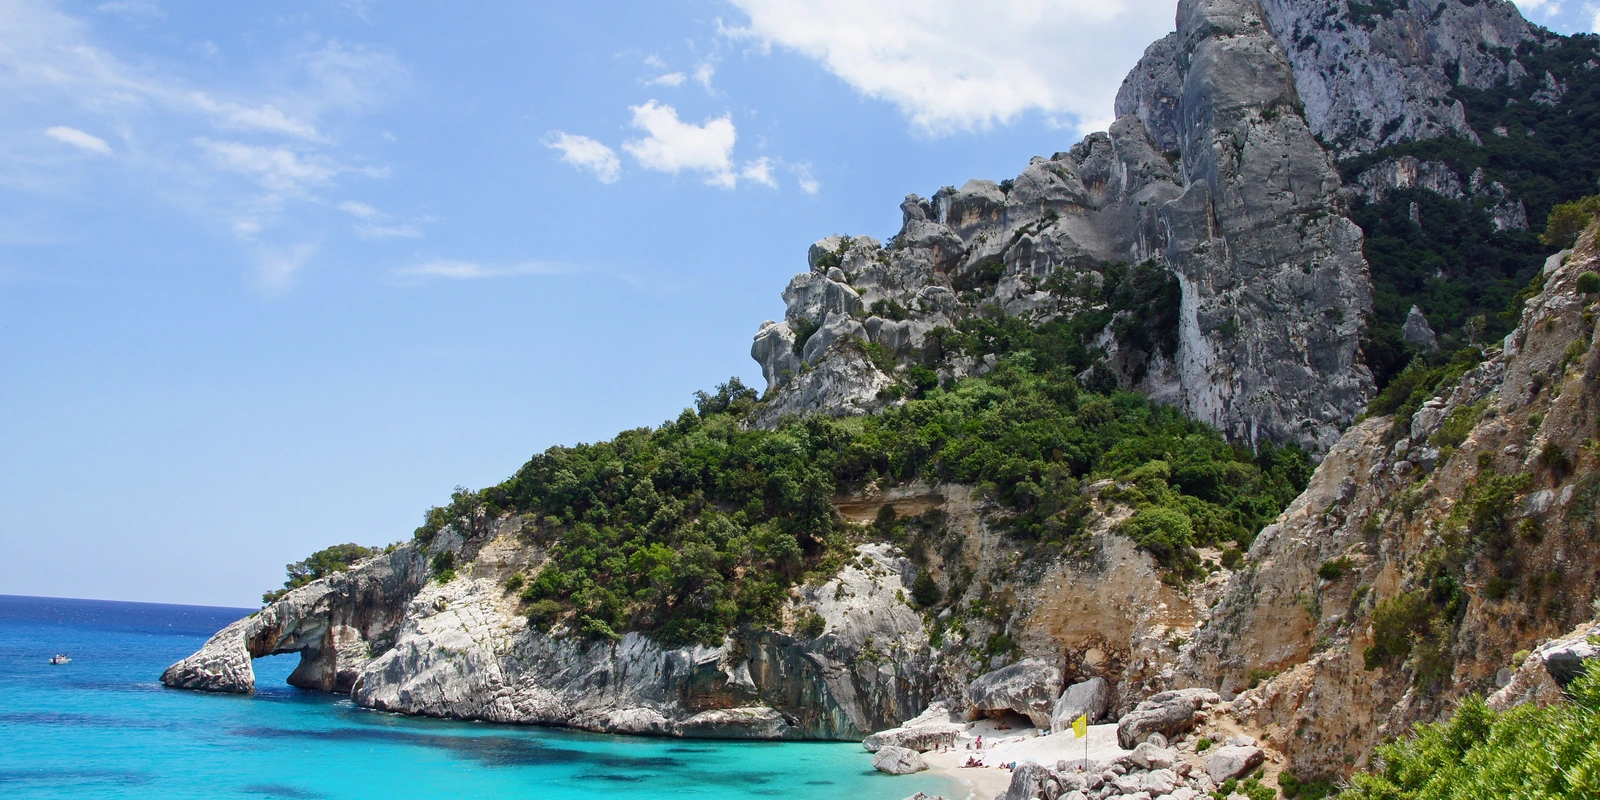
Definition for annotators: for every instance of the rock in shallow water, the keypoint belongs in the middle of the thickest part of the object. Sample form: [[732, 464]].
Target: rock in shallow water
[[898, 761]]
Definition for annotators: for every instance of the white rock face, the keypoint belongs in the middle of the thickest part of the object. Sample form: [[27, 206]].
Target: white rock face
[[462, 650], [1377, 79], [1418, 332]]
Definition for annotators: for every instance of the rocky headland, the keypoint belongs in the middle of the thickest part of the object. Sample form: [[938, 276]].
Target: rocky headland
[[1204, 250]]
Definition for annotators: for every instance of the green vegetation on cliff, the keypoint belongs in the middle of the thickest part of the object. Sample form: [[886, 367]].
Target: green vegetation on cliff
[[702, 524], [1528, 751], [320, 564], [1543, 146]]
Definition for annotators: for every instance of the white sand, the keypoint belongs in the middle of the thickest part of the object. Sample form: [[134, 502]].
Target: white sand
[[1017, 744]]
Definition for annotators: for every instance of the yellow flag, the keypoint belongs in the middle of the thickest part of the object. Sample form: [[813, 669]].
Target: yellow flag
[[1080, 726]]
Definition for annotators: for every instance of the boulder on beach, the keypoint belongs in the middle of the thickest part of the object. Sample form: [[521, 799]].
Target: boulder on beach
[[1167, 713], [1232, 761], [1028, 687]]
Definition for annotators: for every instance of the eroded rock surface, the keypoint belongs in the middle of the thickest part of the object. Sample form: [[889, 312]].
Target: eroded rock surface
[[1029, 687], [337, 625]]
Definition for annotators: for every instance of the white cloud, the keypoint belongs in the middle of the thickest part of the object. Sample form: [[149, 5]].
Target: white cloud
[[760, 171], [673, 145], [374, 224], [954, 65], [802, 176], [266, 118], [472, 270], [669, 79], [586, 154], [131, 8], [361, 211], [77, 138], [277, 268], [703, 72], [277, 169]]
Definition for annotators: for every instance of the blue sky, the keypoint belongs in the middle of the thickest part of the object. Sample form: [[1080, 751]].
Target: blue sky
[[278, 276]]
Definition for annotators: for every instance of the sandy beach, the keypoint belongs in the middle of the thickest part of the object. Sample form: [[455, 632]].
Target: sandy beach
[[1015, 744]]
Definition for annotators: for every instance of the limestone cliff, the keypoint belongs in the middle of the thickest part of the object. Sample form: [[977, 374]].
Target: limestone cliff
[[1211, 171]]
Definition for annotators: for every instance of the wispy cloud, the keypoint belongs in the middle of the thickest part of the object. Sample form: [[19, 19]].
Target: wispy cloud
[[132, 8], [264, 118], [239, 152], [278, 267], [703, 73], [374, 224], [277, 169], [669, 79], [802, 175], [472, 270], [586, 154], [77, 138], [672, 145]]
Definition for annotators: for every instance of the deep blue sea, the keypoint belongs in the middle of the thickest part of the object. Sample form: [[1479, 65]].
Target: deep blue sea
[[104, 726]]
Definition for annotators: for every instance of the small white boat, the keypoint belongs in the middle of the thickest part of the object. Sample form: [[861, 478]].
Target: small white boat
[[60, 659]]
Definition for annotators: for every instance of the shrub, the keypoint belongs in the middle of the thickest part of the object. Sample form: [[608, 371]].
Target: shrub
[[1567, 220], [1166, 533], [924, 591], [543, 613], [1589, 282], [803, 329], [1396, 624], [1296, 788], [1555, 459], [1458, 426], [443, 566], [923, 379], [320, 564], [810, 625], [1529, 751], [1334, 569], [1232, 557]]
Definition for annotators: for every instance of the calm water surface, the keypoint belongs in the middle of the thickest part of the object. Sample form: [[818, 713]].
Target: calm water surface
[[104, 727]]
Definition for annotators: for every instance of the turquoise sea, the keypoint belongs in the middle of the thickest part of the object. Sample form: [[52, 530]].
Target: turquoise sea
[[104, 726]]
